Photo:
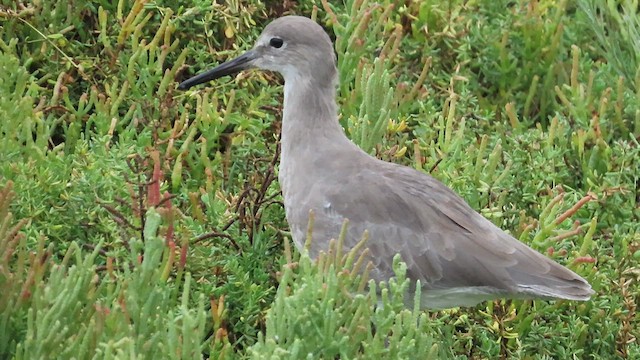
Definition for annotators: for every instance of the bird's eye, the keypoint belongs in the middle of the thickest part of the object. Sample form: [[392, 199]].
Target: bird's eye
[[276, 42]]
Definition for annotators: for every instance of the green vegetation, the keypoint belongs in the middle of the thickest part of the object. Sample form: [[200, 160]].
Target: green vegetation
[[137, 221]]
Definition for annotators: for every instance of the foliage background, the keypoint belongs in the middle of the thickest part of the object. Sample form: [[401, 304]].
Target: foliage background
[[138, 221]]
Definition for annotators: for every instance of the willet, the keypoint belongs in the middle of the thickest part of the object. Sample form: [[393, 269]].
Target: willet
[[459, 257]]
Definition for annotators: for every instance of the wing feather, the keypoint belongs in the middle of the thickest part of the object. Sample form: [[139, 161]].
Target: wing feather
[[445, 243]]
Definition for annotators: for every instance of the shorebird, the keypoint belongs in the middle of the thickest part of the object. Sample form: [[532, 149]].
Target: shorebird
[[460, 257]]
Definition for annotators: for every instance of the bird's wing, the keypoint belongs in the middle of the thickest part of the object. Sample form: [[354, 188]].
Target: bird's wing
[[444, 242]]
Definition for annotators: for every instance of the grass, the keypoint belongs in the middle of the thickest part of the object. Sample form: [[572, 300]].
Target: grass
[[140, 221]]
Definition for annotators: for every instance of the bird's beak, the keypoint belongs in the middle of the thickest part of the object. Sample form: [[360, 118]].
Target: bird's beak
[[228, 68]]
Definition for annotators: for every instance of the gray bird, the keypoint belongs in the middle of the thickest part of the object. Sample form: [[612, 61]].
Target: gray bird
[[459, 257]]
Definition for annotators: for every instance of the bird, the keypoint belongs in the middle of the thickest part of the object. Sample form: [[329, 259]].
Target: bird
[[459, 257]]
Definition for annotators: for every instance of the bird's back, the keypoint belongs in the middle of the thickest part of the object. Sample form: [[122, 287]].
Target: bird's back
[[459, 257]]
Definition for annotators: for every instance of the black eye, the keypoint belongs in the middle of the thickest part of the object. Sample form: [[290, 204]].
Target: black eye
[[276, 42]]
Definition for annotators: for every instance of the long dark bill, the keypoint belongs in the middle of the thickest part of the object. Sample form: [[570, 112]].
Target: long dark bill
[[228, 68]]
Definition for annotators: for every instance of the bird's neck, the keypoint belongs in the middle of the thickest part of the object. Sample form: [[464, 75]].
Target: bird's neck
[[310, 118]]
